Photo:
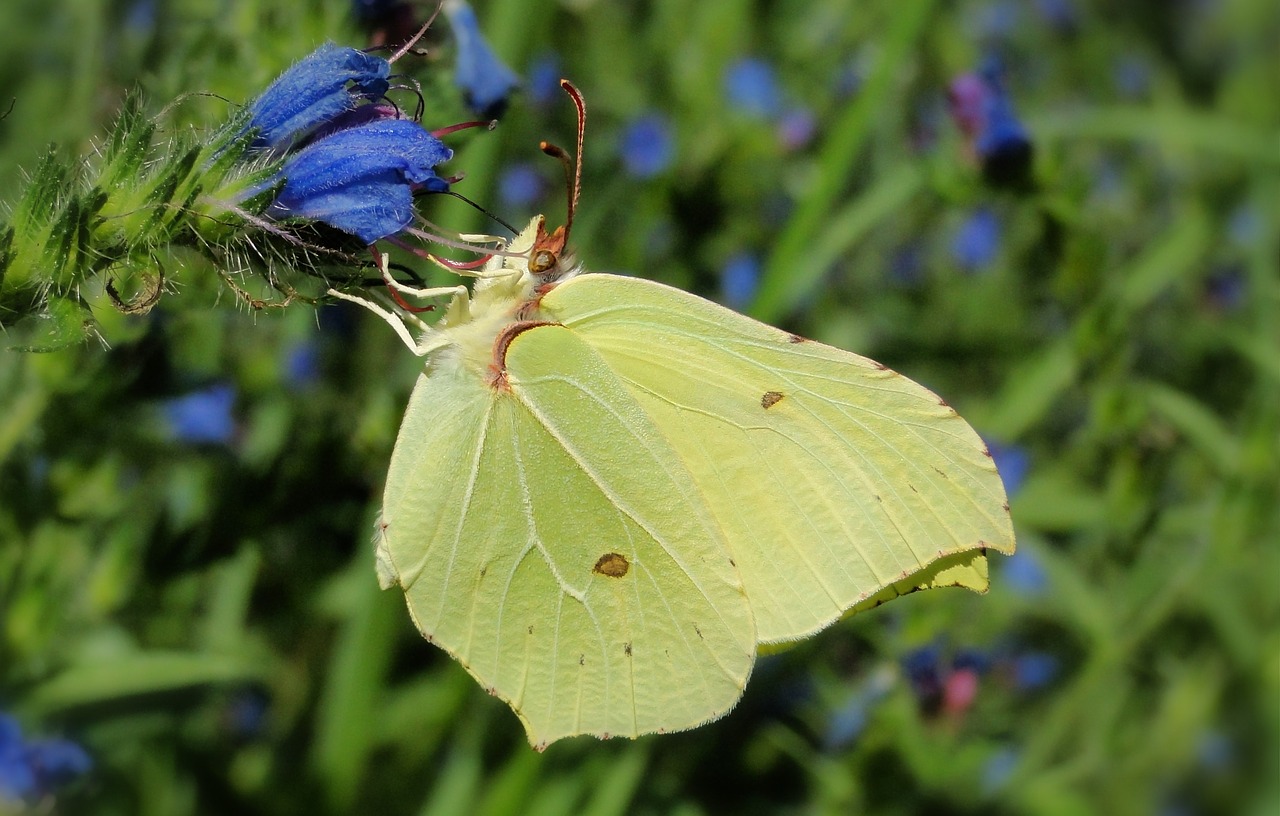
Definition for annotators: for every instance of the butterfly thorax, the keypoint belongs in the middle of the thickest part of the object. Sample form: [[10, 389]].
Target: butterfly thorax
[[507, 293]]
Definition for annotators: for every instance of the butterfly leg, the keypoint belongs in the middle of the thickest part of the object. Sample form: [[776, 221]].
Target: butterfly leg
[[393, 320]]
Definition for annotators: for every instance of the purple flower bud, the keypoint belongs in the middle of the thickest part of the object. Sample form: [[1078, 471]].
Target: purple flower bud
[[325, 83], [361, 180], [967, 100], [485, 80], [796, 128], [647, 146]]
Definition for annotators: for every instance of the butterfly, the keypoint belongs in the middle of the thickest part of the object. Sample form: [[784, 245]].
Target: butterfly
[[608, 494]]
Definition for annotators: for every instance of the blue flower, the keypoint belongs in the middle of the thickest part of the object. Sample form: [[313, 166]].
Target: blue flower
[[999, 769], [1244, 226], [739, 280], [520, 185], [32, 768], [1224, 289], [203, 416], [302, 365], [1215, 751], [994, 21], [362, 180], [485, 80], [544, 78], [923, 667], [752, 87], [17, 779], [1061, 15], [1024, 574], [983, 111], [977, 242], [1034, 670], [325, 83], [906, 265], [1012, 462], [847, 724], [1132, 76], [647, 146]]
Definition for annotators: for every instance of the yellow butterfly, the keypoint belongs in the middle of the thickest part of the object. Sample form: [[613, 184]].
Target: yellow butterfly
[[607, 494]]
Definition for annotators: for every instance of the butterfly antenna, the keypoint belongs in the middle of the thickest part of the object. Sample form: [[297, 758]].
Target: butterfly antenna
[[572, 167]]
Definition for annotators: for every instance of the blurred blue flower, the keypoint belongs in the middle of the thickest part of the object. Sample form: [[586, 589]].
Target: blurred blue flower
[[30, 769], [999, 769], [906, 265], [520, 186], [847, 724], [923, 667], [203, 416], [983, 111], [1225, 288], [1215, 751], [967, 101], [849, 78], [994, 21], [1024, 574], [752, 87], [1132, 76], [1012, 462], [647, 146], [325, 83], [1031, 671], [140, 16], [362, 180], [850, 719], [974, 660], [739, 280], [1062, 15], [544, 78], [485, 80], [977, 241], [796, 128], [302, 364], [245, 715], [1244, 226]]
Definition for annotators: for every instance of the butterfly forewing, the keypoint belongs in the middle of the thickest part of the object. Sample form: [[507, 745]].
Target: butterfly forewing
[[831, 477], [548, 536]]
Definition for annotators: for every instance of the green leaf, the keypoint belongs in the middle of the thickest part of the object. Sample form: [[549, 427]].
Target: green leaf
[[122, 676]]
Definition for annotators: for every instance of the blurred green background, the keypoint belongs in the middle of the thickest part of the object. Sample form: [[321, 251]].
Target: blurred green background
[[186, 583]]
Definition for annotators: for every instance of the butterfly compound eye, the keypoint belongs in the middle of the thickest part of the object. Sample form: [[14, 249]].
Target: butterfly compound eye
[[543, 260]]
